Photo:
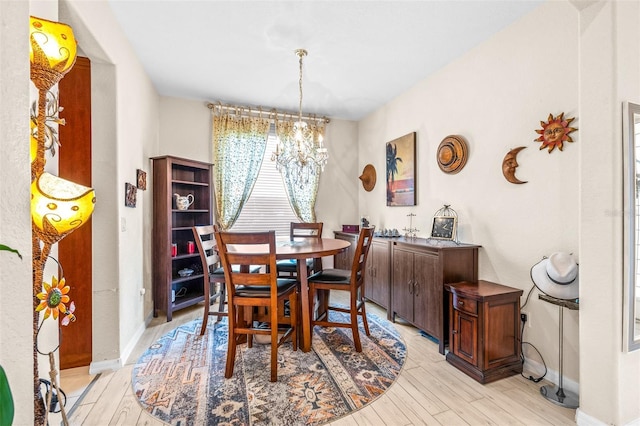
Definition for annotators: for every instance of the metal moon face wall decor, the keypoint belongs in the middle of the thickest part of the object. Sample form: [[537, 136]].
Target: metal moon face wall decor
[[401, 155], [509, 165], [555, 131]]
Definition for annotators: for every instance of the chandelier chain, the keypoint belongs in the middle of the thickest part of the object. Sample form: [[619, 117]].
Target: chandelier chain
[[301, 53], [299, 153]]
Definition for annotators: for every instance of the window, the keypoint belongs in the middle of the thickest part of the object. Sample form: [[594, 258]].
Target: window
[[268, 207]]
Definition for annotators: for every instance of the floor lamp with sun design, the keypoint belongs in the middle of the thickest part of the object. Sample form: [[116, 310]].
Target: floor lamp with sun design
[[58, 206]]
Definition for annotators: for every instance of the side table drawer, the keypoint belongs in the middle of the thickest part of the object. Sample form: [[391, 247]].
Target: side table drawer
[[464, 304]]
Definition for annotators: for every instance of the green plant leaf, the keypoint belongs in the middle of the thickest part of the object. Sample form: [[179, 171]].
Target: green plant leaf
[[7, 248], [6, 400]]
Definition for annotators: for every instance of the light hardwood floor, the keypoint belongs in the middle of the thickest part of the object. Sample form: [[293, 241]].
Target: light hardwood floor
[[428, 391]]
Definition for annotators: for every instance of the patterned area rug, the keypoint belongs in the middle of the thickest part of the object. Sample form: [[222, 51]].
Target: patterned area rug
[[180, 379]]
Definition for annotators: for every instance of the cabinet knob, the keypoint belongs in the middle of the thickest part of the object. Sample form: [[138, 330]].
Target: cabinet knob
[[454, 331], [460, 302]]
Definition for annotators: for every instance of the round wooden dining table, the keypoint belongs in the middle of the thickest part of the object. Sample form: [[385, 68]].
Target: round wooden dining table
[[301, 250]]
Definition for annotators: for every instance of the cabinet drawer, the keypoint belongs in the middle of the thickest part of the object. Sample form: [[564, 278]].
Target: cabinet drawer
[[465, 305]]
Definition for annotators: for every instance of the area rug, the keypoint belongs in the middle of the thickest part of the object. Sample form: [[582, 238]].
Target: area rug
[[180, 378]]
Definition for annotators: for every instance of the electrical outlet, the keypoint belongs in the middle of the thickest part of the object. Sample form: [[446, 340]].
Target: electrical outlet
[[524, 317]]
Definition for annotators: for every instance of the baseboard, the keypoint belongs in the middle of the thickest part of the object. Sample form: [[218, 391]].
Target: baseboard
[[583, 419], [552, 376], [133, 342], [107, 365], [116, 364]]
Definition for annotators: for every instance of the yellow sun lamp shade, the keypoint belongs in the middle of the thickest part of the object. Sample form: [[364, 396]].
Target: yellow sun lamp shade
[[52, 51], [59, 206]]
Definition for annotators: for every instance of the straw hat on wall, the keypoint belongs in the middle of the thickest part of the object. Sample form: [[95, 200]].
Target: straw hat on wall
[[452, 154], [368, 177]]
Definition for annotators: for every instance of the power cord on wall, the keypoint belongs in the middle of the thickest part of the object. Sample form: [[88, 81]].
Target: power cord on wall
[[523, 320]]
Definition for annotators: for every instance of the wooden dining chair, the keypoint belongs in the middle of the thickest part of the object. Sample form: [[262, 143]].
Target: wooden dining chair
[[214, 288], [255, 290], [289, 267], [348, 280], [213, 274]]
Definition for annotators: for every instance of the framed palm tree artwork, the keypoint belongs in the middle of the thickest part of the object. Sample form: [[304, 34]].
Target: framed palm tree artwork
[[401, 171]]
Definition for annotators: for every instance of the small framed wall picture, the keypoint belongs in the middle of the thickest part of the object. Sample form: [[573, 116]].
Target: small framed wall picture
[[141, 176], [129, 195], [444, 228]]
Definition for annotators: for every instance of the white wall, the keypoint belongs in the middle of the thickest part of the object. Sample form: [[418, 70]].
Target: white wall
[[125, 134], [609, 74], [581, 58], [185, 131], [495, 97]]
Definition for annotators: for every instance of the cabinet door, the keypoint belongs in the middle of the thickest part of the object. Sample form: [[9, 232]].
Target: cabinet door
[[428, 294], [501, 333], [370, 273], [377, 276], [403, 284], [344, 259], [464, 337]]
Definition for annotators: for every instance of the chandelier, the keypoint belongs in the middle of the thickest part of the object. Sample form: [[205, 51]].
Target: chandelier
[[301, 153]]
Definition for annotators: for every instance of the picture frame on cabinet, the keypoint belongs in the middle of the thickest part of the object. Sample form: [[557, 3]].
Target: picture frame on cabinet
[[444, 228], [130, 195]]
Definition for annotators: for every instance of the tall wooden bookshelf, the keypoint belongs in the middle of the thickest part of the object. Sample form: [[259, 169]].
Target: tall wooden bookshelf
[[173, 175]]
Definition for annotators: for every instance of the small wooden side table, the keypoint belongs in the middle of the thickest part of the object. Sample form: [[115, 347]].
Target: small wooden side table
[[561, 397], [484, 332]]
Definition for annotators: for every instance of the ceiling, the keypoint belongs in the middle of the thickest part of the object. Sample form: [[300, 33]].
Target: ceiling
[[361, 54]]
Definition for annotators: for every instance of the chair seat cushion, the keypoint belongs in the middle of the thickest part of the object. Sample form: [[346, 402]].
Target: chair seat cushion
[[291, 265], [284, 285], [333, 276]]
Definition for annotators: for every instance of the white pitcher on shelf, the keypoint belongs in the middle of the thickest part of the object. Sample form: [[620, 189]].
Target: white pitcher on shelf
[[183, 203]]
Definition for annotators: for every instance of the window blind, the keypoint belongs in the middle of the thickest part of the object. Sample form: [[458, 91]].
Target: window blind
[[268, 207]]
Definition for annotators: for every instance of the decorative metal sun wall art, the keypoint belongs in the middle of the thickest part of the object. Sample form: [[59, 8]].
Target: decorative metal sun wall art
[[555, 131]]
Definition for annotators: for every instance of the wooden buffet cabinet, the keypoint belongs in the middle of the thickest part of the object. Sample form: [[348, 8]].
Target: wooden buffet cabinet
[[484, 339], [420, 269], [173, 175], [378, 273], [406, 276]]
